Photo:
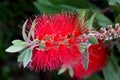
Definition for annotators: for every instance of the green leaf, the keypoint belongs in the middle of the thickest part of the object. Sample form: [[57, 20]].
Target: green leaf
[[24, 31], [116, 9], [31, 32], [85, 57], [19, 43], [75, 3], [42, 46], [27, 58], [111, 71], [82, 47], [89, 22], [52, 6], [21, 56], [113, 63], [114, 2], [95, 77], [118, 46], [71, 72], [62, 69], [110, 75], [117, 19], [93, 40], [81, 14], [102, 19], [46, 6], [14, 48]]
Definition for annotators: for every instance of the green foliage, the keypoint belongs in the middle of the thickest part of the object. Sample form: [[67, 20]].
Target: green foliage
[[17, 46], [82, 47], [71, 72], [117, 19], [90, 22], [27, 57], [62, 69], [24, 31], [113, 2], [21, 56], [95, 76], [111, 72], [85, 56], [101, 19], [57, 6], [82, 14], [93, 40], [31, 32]]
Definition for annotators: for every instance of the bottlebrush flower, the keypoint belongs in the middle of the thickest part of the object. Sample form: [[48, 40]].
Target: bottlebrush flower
[[60, 33], [55, 40]]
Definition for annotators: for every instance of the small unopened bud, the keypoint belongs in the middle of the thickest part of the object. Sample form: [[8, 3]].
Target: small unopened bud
[[103, 30], [117, 25], [109, 26]]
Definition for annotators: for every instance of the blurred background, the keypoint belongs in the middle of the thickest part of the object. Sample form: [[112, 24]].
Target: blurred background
[[13, 13]]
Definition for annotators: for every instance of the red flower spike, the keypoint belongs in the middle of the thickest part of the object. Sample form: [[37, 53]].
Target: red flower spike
[[60, 34]]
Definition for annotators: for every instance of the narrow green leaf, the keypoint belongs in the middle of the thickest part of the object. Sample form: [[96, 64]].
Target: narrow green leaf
[[62, 70], [21, 56], [19, 43], [14, 48], [93, 40], [81, 13], [118, 46], [24, 31], [117, 19], [71, 72], [27, 58], [82, 47], [90, 22], [31, 32], [85, 57], [113, 63]]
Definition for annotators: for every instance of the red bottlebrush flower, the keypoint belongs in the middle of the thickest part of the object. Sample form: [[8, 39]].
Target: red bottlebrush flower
[[58, 33], [58, 36]]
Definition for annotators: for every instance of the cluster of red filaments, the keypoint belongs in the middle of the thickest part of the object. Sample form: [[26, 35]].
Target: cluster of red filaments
[[58, 37]]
